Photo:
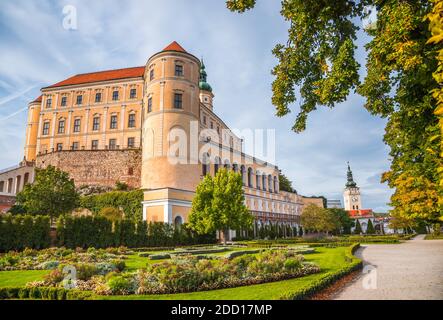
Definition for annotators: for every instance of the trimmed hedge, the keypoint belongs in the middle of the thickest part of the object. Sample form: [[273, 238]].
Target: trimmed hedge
[[99, 232], [328, 279], [24, 231], [44, 293]]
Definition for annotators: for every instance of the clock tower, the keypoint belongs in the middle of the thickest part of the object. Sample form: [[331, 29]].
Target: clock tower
[[351, 195]]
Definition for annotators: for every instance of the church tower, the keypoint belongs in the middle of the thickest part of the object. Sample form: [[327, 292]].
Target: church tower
[[351, 195], [206, 95]]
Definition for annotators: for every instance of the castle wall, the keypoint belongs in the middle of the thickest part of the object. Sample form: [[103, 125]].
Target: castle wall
[[97, 167]]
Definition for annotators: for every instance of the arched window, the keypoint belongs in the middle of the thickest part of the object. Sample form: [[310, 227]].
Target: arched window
[[276, 186], [178, 221], [264, 182], [227, 165], [235, 167], [270, 183], [243, 174], [205, 164], [257, 180], [216, 165], [250, 177], [26, 178]]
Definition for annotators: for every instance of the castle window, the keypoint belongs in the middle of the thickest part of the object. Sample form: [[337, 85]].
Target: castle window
[[61, 126], [257, 181], [113, 122], [75, 146], [94, 144], [130, 171], [250, 177], [212, 125], [205, 164], [178, 70], [133, 94], [112, 144], [98, 97], [79, 99], [151, 75], [131, 121], [63, 101], [96, 124], [150, 104], [45, 131], [77, 125], [178, 101], [204, 120], [59, 146], [115, 95], [131, 142], [49, 103]]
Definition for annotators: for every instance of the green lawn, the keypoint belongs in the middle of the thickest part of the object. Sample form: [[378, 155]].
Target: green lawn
[[329, 259], [19, 278]]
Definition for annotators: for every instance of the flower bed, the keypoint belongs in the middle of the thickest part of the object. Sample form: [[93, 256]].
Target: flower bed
[[53, 258], [189, 273]]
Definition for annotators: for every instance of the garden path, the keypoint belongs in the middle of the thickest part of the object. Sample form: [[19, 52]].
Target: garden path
[[408, 271]]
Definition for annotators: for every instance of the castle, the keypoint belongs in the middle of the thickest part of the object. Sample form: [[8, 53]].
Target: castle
[[121, 125]]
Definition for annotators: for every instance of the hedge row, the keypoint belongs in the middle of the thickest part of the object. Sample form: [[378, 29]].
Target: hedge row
[[99, 232], [24, 231], [329, 278], [44, 293]]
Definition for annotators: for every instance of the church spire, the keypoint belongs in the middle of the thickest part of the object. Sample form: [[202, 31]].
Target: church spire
[[350, 182], [203, 78]]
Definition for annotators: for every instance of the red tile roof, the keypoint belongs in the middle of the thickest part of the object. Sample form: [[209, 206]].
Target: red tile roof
[[363, 213], [174, 46], [101, 76], [39, 99]]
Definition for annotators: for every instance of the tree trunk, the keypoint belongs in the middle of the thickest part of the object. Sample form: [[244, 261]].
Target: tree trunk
[[225, 235]]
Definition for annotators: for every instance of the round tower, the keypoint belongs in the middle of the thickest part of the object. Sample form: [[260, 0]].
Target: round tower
[[32, 129], [171, 116]]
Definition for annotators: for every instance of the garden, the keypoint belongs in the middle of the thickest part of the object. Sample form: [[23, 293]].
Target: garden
[[195, 272]]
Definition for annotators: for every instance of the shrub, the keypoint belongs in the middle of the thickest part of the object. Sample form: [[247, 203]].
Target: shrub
[[20, 232], [120, 285], [234, 254], [112, 214], [159, 256]]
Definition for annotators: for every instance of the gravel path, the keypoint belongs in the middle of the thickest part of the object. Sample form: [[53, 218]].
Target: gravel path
[[409, 271]]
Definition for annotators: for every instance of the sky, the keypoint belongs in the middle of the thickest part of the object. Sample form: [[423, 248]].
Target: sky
[[36, 50]]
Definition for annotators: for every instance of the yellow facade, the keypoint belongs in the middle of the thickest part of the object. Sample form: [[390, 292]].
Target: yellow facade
[[143, 110]]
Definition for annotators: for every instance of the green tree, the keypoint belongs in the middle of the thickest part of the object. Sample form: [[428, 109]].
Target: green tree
[[357, 229], [219, 205], [318, 60], [370, 229], [112, 214], [344, 222], [314, 218], [285, 183], [52, 193]]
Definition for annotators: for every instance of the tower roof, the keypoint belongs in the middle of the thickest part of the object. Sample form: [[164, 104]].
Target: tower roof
[[203, 78], [174, 46], [350, 182]]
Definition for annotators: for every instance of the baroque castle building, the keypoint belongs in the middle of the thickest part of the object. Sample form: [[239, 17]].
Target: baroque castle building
[[120, 125]]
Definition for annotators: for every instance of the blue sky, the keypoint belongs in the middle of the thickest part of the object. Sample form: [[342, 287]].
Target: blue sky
[[35, 51]]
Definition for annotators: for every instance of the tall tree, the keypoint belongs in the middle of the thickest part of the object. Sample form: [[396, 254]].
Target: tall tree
[[358, 229], [318, 59], [219, 204], [285, 183], [370, 229], [344, 222], [314, 218], [52, 193]]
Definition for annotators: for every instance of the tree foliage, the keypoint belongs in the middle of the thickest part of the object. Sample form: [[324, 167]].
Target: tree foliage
[[402, 81], [344, 222], [370, 229], [358, 229], [285, 183], [52, 193], [219, 204], [314, 218]]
